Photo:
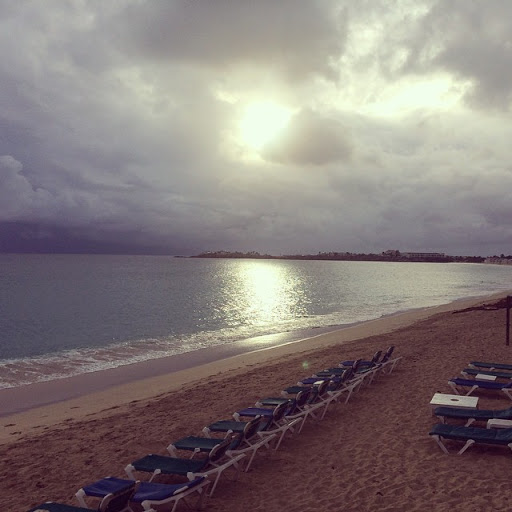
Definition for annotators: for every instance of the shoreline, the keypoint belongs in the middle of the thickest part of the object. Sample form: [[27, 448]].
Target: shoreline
[[373, 452], [100, 393]]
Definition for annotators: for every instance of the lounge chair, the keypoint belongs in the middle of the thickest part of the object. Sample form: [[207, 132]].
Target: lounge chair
[[468, 372], [51, 506], [247, 441], [348, 384], [389, 365], [215, 463], [470, 436], [472, 415], [456, 384], [319, 397], [297, 407], [117, 501], [277, 424], [365, 370], [490, 366], [362, 363], [385, 360], [317, 387], [148, 493]]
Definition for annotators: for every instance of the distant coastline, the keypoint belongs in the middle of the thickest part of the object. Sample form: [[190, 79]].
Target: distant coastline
[[392, 255]]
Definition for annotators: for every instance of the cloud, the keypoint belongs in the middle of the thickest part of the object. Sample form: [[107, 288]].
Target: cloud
[[311, 139], [119, 125], [293, 38], [472, 41], [18, 198]]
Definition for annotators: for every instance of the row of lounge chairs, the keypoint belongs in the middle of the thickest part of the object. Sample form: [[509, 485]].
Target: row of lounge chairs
[[229, 444], [457, 424]]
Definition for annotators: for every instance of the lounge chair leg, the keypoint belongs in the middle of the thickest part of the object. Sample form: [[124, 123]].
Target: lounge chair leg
[[455, 389], [80, 495], [210, 494], [440, 443], [469, 443], [203, 494], [507, 392], [471, 390], [129, 470]]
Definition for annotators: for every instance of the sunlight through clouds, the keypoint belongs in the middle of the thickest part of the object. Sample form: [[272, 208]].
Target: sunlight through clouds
[[262, 122], [438, 93]]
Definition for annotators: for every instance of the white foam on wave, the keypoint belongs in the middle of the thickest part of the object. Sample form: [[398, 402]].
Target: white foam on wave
[[17, 372]]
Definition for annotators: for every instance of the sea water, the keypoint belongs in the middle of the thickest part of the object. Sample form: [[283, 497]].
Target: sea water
[[63, 315]]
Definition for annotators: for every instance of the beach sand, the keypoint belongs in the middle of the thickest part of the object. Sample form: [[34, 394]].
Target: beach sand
[[373, 453]]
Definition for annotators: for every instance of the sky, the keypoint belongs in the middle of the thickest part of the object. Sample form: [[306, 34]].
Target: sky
[[298, 126]]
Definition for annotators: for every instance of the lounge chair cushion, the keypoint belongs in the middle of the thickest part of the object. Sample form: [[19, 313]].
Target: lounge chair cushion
[[500, 436], [146, 491], [477, 414], [225, 425], [152, 491], [203, 444], [256, 411], [59, 507], [498, 375], [498, 366], [481, 383], [106, 486], [169, 465]]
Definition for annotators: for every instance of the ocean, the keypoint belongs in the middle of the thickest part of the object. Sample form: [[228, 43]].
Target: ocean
[[65, 315]]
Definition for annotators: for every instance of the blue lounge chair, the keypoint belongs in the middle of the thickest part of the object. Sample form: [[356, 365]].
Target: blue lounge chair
[[348, 383], [317, 388], [215, 463], [51, 506], [148, 493], [472, 415], [377, 358], [319, 397], [468, 372], [114, 501], [297, 407], [246, 441], [457, 384], [490, 366], [277, 424], [470, 436], [361, 363]]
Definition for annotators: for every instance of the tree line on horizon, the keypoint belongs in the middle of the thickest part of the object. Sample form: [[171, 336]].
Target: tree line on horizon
[[344, 256]]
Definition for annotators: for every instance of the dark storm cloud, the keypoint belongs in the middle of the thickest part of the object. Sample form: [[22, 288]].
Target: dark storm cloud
[[295, 38]]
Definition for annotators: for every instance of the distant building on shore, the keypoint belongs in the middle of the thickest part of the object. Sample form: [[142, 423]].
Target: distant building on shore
[[498, 260], [425, 256]]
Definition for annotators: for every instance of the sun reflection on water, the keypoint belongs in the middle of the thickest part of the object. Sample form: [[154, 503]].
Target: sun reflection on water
[[269, 293]]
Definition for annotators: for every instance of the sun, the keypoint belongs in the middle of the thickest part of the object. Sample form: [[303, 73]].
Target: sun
[[262, 122]]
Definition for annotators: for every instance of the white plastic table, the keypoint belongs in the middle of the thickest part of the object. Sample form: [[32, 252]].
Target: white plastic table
[[483, 376], [495, 423], [459, 401]]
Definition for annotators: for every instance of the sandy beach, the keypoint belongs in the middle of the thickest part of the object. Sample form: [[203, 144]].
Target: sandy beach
[[373, 453]]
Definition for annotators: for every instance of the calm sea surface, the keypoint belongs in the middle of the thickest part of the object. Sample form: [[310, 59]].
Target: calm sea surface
[[63, 315]]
